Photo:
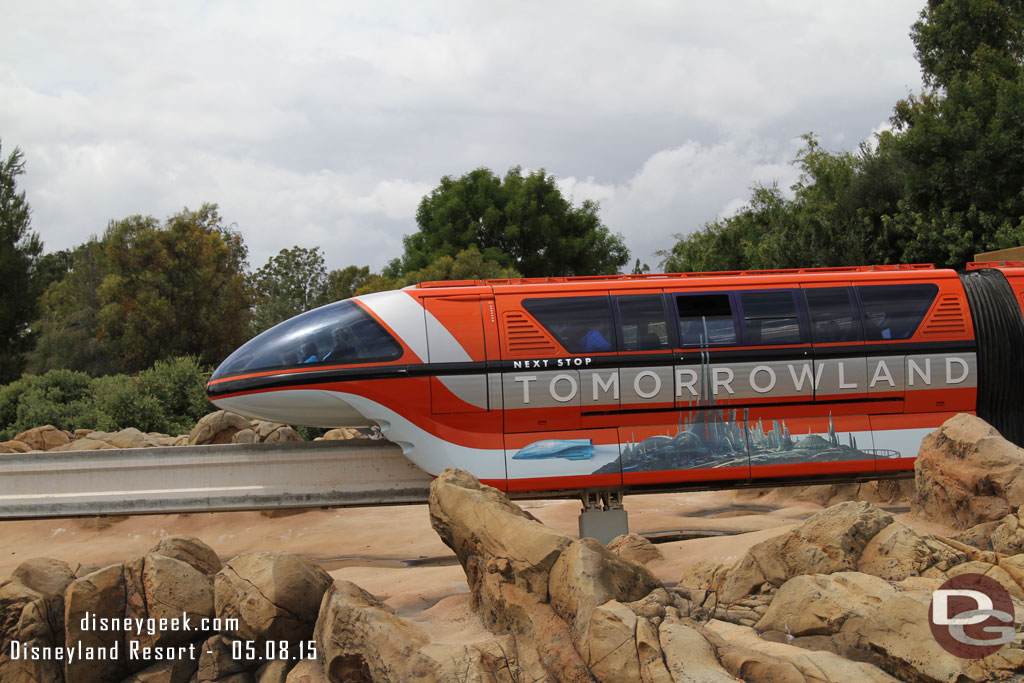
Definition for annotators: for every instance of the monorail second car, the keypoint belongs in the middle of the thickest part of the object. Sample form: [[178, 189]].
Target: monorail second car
[[664, 381]]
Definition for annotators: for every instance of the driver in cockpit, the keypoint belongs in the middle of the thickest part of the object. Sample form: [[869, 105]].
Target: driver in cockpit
[[342, 350]]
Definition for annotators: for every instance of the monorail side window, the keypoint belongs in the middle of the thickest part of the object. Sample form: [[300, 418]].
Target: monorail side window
[[895, 311], [582, 324], [705, 320], [642, 323], [771, 318], [834, 315]]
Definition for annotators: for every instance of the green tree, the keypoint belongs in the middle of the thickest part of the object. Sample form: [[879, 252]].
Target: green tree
[[19, 254], [962, 140], [520, 221], [468, 264], [291, 282], [343, 283], [836, 218], [174, 290], [959, 37], [68, 323]]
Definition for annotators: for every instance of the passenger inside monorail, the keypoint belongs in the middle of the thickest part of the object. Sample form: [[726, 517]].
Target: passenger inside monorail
[[338, 333]]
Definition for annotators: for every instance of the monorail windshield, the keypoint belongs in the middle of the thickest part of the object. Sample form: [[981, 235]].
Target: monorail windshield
[[338, 333]]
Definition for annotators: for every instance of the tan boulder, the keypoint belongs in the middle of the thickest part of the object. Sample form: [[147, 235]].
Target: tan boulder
[[216, 664], [505, 607], [362, 639], [310, 671], [1014, 566], [967, 474], [26, 620], [653, 668], [244, 436], [127, 438], [903, 645], [342, 433], [161, 440], [749, 657], [47, 576], [1008, 536], [274, 432], [704, 575], [689, 657], [161, 587], [86, 444], [610, 650], [819, 604], [274, 596], [50, 578], [979, 535], [276, 671], [282, 434], [993, 571], [882, 492], [100, 594], [897, 552], [14, 446], [43, 438], [217, 428], [587, 575], [490, 533], [180, 670], [829, 541], [191, 551], [635, 548]]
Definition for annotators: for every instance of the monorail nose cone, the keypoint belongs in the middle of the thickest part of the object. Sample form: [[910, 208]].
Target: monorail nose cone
[[305, 407]]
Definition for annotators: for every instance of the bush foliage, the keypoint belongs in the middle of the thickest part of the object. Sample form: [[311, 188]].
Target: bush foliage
[[168, 398]]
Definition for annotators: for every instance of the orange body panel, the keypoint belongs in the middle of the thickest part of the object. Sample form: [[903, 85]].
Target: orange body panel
[[645, 402]]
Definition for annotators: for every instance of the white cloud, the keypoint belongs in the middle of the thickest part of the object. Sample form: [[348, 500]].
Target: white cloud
[[324, 123], [678, 190]]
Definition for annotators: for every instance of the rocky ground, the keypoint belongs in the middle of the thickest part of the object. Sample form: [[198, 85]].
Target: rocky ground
[[791, 585]]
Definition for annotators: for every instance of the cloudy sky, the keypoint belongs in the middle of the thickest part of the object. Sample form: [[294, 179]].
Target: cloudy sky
[[324, 123]]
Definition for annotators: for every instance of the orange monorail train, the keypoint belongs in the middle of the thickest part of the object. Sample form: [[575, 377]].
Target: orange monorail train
[[653, 382]]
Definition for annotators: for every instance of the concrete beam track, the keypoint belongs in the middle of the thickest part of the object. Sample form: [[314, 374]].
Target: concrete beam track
[[208, 478]]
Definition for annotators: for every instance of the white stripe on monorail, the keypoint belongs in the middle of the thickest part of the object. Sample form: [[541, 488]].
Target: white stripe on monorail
[[410, 321]]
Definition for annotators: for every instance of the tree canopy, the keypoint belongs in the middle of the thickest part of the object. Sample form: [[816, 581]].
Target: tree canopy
[[291, 282], [518, 221], [146, 292], [20, 249]]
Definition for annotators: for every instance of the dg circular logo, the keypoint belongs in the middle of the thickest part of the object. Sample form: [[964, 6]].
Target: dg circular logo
[[971, 616]]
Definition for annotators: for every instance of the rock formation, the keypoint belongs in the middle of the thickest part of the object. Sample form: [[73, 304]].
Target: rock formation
[[967, 474], [842, 596]]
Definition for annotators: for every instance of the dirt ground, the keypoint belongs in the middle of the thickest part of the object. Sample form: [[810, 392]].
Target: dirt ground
[[393, 553]]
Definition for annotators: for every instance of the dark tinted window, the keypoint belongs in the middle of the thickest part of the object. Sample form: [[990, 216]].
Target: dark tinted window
[[770, 318], [705, 320], [895, 311], [834, 315], [582, 324], [337, 333], [642, 323]]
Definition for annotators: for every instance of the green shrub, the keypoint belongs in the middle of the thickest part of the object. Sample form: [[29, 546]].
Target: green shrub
[[62, 398], [169, 398], [179, 384], [123, 401]]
